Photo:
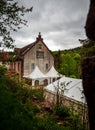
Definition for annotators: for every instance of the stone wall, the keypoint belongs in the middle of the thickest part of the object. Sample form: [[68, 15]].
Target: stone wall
[[76, 107]]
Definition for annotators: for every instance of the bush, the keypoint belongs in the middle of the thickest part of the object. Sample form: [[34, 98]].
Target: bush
[[37, 93], [75, 122], [3, 70], [50, 125], [33, 108], [13, 116], [63, 112]]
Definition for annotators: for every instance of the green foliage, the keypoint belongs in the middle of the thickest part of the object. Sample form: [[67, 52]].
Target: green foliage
[[19, 110], [28, 81], [70, 60], [38, 94], [11, 17], [77, 57], [23, 93], [62, 112], [69, 63], [33, 108], [12, 113], [3, 70], [75, 123], [88, 48], [50, 125]]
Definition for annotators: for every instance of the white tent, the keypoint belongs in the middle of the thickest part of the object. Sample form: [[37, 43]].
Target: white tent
[[36, 74], [73, 88], [52, 73]]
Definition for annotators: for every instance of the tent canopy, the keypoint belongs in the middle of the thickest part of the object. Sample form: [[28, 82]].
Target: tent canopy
[[52, 73], [36, 74], [72, 88]]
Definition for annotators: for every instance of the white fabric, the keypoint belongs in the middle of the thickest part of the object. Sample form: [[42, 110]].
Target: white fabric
[[52, 73], [73, 89], [36, 74]]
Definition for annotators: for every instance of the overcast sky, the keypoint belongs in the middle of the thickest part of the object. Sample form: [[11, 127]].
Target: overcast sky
[[61, 23]]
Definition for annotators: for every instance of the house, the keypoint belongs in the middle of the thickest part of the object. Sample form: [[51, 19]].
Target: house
[[32, 55]]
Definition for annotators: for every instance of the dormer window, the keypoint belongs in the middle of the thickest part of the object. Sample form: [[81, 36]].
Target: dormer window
[[39, 54]]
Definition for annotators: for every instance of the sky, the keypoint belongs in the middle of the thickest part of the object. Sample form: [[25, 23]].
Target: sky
[[61, 23]]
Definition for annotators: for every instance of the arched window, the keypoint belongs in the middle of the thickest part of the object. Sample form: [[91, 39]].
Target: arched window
[[45, 82], [36, 82], [53, 79]]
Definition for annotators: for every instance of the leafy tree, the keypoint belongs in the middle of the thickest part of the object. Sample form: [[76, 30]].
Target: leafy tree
[[69, 62], [11, 18], [77, 58], [68, 65]]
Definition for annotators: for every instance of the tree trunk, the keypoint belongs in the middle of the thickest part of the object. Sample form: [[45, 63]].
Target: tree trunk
[[88, 76]]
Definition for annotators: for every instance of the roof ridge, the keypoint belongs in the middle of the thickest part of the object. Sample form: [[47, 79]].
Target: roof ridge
[[24, 49]]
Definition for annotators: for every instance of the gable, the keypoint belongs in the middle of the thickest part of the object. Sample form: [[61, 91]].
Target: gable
[[39, 44]]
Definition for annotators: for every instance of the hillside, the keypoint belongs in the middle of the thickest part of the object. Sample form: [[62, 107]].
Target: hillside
[[21, 108], [68, 62]]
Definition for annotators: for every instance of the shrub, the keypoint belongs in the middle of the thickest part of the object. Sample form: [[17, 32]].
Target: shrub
[[12, 113], [3, 70], [63, 112]]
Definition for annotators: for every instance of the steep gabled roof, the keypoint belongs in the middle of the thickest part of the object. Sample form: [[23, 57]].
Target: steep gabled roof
[[25, 49]]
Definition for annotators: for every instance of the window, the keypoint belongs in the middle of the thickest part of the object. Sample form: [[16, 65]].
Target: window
[[37, 83], [46, 66], [39, 54], [45, 82], [33, 66]]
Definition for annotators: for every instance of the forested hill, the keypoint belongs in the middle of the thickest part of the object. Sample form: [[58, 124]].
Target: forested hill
[[68, 62]]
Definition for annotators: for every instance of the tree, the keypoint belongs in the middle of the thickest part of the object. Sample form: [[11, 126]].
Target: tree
[[68, 65], [11, 18], [88, 48], [77, 58]]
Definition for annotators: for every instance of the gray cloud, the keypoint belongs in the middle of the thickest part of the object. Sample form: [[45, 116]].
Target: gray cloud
[[60, 21]]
